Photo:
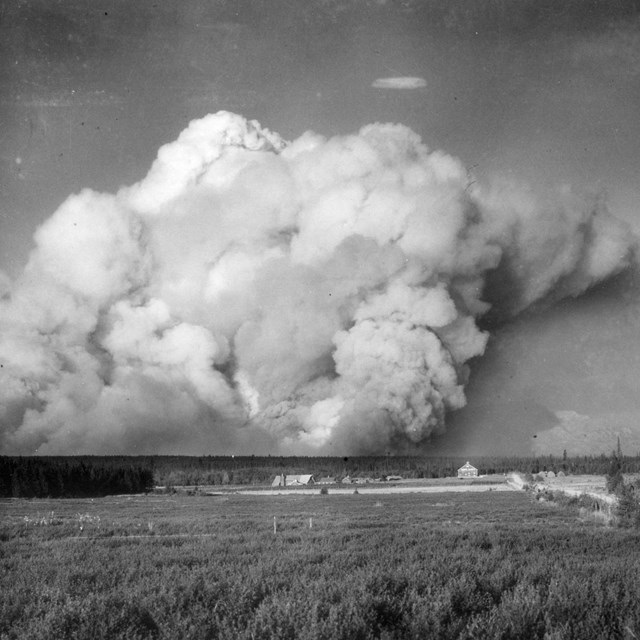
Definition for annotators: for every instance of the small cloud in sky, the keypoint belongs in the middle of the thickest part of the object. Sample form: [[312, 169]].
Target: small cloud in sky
[[402, 82]]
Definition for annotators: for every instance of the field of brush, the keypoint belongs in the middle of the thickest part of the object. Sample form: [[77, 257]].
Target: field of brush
[[428, 565]]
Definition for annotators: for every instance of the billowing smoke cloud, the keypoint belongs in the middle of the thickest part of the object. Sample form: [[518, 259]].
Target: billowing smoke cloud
[[323, 295]]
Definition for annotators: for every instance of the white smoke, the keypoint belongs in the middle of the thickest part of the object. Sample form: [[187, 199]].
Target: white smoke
[[255, 295]]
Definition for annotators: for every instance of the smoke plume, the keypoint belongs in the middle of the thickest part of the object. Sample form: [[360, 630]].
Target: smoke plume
[[254, 295]]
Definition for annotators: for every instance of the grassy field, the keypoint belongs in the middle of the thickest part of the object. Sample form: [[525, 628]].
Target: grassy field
[[433, 565]]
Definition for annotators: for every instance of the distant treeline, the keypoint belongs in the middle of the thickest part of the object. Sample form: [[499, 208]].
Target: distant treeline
[[84, 476], [257, 470], [40, 477]]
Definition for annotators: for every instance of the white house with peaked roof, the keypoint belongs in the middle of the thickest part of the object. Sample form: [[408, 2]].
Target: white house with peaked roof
[[467, 471]]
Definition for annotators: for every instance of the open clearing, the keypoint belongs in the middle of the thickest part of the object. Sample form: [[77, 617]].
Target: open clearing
[[497, 482], [450, 564], [439, 485], [572, 485], [586, 484]]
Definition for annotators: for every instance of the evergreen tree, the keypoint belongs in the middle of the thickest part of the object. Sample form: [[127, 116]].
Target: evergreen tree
[[628, 511], [614, 476]]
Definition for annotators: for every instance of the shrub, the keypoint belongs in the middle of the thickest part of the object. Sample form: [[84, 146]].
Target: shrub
[[628, 511]]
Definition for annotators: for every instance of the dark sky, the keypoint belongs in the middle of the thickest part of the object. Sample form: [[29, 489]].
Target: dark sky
[[538, 90]]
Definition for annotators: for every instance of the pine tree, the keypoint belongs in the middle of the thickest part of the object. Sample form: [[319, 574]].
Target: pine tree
[[614, 477]]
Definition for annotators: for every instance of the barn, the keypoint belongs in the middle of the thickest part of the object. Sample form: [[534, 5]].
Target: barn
[[284, 480], [467, 471]]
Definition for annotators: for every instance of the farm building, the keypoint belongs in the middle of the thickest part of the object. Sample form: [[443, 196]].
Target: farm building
[[284, 480], [326, 480], [467, 471]]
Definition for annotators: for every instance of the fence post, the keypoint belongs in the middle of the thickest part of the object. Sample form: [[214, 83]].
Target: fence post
[[275, 526]]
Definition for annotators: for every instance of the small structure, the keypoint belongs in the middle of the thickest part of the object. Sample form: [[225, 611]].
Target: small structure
[[326, 480], [284, 480], [394, 478], [467, 471]]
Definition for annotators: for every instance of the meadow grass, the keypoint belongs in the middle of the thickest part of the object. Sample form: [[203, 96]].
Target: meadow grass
[[445, 565]]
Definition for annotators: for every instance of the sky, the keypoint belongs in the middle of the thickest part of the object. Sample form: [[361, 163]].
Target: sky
[[534, 108]]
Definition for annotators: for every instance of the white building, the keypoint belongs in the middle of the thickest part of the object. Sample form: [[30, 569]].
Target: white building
[[467, 471]]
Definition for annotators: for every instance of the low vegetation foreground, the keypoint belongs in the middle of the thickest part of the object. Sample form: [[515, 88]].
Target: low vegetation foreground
[[431, 565]]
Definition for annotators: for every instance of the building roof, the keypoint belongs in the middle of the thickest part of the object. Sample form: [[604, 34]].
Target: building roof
[[292, 479], [467, 467], [300, 479]]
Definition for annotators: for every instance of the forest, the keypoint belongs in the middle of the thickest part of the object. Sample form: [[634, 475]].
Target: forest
[[41, 477], [86, 476]]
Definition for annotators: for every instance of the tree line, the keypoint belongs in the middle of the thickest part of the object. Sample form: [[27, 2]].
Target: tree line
[[40, 477], [256, 470], [85, 476]]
